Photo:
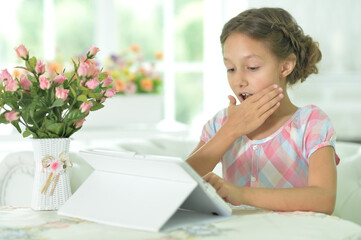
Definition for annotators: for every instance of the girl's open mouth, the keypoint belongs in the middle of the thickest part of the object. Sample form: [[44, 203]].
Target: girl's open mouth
[[244, 96]]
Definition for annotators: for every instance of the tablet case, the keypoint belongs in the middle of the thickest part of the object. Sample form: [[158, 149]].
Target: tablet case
[[145, 192]]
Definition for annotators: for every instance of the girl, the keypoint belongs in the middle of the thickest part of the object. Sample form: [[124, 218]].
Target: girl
[[274, 155]]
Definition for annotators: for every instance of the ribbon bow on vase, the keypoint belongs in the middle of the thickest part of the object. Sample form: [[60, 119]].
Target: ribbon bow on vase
[[55, 166]]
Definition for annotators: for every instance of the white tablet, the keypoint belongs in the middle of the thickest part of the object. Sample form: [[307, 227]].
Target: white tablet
[[145, 192]]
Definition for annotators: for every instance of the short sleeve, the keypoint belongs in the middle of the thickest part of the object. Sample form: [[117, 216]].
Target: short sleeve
[[319, 132], [213, 125]]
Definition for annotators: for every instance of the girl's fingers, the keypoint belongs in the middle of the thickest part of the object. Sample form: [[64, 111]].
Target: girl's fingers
[[232, 100], [269, 96], [269, 104], [269, 112], [207, 176], [256, 97]]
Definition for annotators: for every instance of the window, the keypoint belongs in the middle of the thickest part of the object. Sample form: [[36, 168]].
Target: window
[[187, 32], [74, 27], [20, 23], [63, 29]]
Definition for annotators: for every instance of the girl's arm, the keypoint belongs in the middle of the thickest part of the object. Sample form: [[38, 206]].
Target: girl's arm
[[318, 196], [241, 119], [206, 156]]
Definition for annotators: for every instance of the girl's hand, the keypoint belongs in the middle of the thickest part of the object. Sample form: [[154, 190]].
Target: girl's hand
[[228, 191], [251, 114]]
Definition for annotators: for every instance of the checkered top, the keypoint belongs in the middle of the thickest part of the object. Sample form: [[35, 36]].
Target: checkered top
[[280, 160]]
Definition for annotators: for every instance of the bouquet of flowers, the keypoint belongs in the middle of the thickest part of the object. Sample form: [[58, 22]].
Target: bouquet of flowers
[[132, 74], [52, 105]]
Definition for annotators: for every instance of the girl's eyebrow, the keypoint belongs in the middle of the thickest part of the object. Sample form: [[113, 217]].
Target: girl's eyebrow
[[245, 57]]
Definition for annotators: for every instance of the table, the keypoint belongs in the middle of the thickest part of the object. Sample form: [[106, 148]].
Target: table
[[247, 223]]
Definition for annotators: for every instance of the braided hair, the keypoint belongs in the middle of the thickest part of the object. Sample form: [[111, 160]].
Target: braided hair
[[281, 34]]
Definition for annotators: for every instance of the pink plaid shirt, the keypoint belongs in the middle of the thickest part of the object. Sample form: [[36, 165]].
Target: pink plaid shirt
[[280, 160]]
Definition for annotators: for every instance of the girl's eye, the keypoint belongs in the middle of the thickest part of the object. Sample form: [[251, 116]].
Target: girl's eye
[[230, 70], [253, 68]]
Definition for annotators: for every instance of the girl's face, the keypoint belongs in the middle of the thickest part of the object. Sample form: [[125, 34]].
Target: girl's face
[[251, 66]]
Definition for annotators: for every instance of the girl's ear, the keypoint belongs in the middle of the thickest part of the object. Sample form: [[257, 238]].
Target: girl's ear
[[288, 65]]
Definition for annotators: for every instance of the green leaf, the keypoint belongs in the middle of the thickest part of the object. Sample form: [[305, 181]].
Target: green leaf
[[56, 128], [42, 134], [96, 106], [26, 133], [84, 90], [75, 115], [97, 89], [57, 103], [52, 135], [93, 95], [16, 125], [31, 78], [2, 118], [40, 114], [102, 76], [82, 98], [31, 63], [75, 65], [33, 106], [70, 131], [72, 91]]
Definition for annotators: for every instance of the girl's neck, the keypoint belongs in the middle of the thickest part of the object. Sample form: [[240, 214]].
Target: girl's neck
[[286, 108]]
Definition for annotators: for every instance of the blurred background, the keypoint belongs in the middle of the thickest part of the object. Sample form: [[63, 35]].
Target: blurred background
[[180, 38]]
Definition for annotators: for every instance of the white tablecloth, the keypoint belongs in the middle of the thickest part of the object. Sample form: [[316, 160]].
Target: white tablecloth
[[24, 223]]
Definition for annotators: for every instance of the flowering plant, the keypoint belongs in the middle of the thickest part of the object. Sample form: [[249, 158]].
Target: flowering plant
[[52, 106], [132, 74]]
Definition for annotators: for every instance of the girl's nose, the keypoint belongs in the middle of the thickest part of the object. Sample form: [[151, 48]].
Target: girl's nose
[[240, 80]]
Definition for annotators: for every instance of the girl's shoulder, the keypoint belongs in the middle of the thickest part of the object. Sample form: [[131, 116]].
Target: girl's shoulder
[[312, 112], [310, 115]]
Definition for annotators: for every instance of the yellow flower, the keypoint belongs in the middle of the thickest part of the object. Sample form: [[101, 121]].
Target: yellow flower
[[115, 74], [131, 77]]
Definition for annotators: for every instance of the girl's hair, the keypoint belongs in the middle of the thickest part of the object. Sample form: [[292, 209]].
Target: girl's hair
[[281, 34]]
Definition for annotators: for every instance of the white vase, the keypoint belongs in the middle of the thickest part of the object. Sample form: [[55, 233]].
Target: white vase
[[51, 188]]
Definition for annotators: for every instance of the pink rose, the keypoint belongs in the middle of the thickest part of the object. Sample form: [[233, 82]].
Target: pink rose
[[22, 52], [11, 85], [85, 107], [92, 84], [79, 123], [110, 92], [83, 69], [11, 116], [44, 83], [40, 67], [106, 82], [61, 93], [93, 71], [5, 75], [24, 82], [60, 79], [93, 51]]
